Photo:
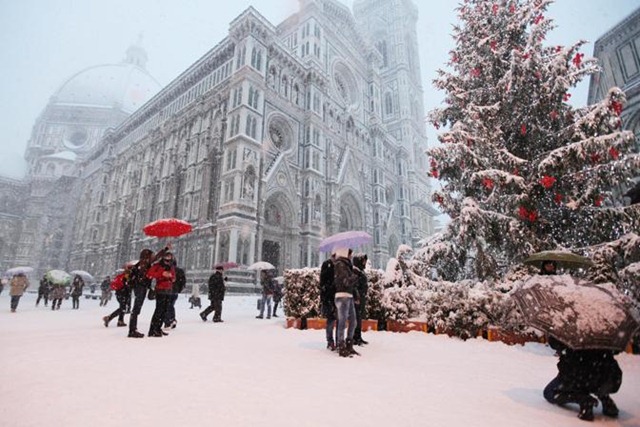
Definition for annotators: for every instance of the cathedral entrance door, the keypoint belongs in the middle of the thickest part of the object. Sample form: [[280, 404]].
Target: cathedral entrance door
[[271, 252]]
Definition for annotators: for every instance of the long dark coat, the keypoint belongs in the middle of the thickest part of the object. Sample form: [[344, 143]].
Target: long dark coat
[[216, 287]]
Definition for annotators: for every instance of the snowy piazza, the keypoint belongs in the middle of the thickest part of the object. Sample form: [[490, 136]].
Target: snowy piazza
[[310, 213]]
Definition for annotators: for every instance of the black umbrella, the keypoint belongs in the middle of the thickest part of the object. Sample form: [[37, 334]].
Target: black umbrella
[[563, 259], [580, 314]]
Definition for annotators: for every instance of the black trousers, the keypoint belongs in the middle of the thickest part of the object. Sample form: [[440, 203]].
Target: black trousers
[[357, 334], [122, 299], [163, 300], [215, 305], [75, 301], [43, 295], [140, 293], [170, 314], [56, 303]]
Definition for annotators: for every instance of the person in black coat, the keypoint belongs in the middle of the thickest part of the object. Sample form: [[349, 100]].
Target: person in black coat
[[217, 290], [43, 291], [277, 296], [327, 299], [76, 291], [178, 286], [582, 373], [359, 263]]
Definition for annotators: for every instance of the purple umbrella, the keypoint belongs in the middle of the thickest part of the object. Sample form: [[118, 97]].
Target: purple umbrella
[[346, 239]]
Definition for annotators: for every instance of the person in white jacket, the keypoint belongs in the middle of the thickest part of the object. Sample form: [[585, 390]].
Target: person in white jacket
[[194, 299]]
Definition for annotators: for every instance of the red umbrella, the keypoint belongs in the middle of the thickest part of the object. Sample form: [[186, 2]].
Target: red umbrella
[[226, 265], [167, 227]]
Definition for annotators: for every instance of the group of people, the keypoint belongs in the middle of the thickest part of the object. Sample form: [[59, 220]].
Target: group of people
[[136, 279], [343, 294], [56, 292]]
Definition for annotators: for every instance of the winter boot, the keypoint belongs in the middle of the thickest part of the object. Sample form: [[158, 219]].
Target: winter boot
[[331, 346], [203, 317], [609, 407], [586, 402], [106, 319], [350, 349], [343, 351], [121, 323], [135, 334], [586, 411]]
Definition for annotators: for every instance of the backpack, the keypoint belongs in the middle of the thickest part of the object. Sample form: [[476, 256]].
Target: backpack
[[118, 282]]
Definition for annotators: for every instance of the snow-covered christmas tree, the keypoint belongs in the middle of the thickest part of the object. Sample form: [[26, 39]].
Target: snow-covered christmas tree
[[521, 170]]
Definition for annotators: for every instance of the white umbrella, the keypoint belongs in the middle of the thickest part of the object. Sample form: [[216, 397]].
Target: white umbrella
[[87, 277], [17, 270], [261, 265]]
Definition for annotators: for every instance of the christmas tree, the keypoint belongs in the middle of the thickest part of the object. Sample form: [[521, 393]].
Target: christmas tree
[[521, 170]]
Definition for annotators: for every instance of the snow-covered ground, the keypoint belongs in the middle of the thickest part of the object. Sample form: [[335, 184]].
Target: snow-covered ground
[[65, 368]]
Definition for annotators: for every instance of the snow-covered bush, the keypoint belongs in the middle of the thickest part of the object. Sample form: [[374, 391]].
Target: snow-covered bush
[[301, 293]]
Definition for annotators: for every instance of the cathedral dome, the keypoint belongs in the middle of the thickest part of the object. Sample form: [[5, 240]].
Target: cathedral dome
[[125, 86]]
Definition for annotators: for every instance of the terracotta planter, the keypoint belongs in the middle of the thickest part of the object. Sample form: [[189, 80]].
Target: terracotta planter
[[510, 338], [406, 326], [369, 325], [443, 330], [316, 323], [293, 322]]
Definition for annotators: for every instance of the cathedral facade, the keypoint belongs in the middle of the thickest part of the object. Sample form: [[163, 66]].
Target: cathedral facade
[[618, 53], [277, 137]]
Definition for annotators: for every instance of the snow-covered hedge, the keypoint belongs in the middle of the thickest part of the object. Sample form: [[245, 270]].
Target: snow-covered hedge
[[461, 309]]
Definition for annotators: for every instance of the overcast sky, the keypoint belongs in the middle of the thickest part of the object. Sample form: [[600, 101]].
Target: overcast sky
[[44, 42]]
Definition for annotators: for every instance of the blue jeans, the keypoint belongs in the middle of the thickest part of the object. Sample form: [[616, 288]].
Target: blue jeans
[[266, 301], [346, 311]]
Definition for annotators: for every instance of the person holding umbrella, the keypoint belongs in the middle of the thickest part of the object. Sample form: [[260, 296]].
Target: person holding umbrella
[[18, 284], [346, 282], [43, 291], [56, 295], [587, 324], [76, 291], [582, 373], [268, 288]]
